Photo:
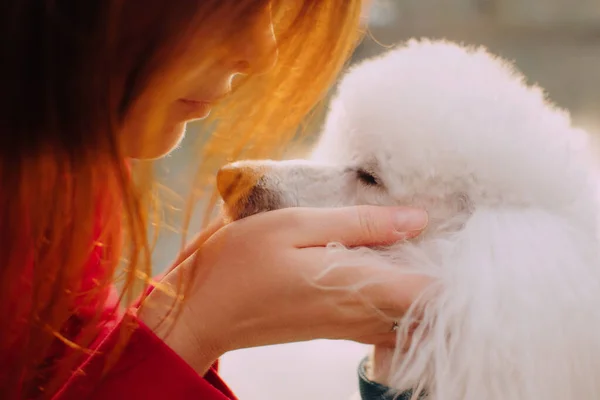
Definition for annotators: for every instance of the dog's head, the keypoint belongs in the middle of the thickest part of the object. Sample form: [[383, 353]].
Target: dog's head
[[459, 132], [429, 124]]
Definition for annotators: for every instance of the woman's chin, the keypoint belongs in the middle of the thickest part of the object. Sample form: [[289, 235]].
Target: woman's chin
[[160, 144]]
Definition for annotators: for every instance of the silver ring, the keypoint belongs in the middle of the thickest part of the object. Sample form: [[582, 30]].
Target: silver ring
[[395, 326]]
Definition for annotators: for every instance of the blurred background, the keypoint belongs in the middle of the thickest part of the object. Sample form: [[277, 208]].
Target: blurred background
[[556, 43]]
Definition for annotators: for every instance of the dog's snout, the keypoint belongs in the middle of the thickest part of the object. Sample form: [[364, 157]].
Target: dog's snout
[[226, 180], [244, 190], [234, 182]]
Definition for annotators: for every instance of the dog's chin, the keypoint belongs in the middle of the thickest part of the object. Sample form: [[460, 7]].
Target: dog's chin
[[244, 210], [258, 200]]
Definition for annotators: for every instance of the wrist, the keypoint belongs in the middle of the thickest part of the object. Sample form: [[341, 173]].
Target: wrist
[[197, 349]]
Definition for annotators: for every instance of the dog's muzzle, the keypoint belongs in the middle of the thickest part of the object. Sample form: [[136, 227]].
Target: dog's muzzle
[[244, 191]]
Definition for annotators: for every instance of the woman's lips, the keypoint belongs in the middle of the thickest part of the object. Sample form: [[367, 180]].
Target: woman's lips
[[195, 108], [195, 103]]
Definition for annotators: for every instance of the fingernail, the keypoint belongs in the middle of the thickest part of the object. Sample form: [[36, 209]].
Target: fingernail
[[411, 221]]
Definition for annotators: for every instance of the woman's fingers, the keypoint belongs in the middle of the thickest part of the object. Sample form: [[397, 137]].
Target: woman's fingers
[[358, 226], [387, 287], [388, 339], [351, 226]]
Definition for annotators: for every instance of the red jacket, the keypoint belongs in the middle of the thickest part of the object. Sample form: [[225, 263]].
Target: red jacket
[[147, 368]]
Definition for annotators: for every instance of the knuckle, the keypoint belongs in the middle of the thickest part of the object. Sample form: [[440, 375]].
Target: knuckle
[[230, 231], [367, 222], [245, 230], [275, 225], [289, 217]]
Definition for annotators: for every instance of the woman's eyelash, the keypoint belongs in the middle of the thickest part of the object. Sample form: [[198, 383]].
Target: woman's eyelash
[[367, 178]]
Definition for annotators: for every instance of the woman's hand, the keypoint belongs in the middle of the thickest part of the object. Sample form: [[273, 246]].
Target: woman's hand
[[256, 283]]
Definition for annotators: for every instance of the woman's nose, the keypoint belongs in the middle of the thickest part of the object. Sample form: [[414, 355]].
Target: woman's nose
[[258, 50]]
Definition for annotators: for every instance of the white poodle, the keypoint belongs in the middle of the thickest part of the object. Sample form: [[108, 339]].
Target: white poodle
[[511, 189]]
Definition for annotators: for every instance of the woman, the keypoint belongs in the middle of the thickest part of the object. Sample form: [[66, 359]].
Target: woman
[[89, 85]]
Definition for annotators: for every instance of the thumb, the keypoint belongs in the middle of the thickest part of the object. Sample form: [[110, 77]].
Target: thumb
[[357, 226]]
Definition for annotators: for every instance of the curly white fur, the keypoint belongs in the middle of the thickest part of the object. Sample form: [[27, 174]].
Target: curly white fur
[[511, 188]]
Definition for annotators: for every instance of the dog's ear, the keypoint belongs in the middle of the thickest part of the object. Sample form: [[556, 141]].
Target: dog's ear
[[516, 314]]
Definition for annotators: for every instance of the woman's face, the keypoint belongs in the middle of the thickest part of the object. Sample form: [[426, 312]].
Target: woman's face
[[156, 124]]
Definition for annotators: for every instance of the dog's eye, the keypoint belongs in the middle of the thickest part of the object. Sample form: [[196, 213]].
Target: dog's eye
[[367, 178]]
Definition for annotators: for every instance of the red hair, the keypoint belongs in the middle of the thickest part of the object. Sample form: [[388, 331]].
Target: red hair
[[72, 71]]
